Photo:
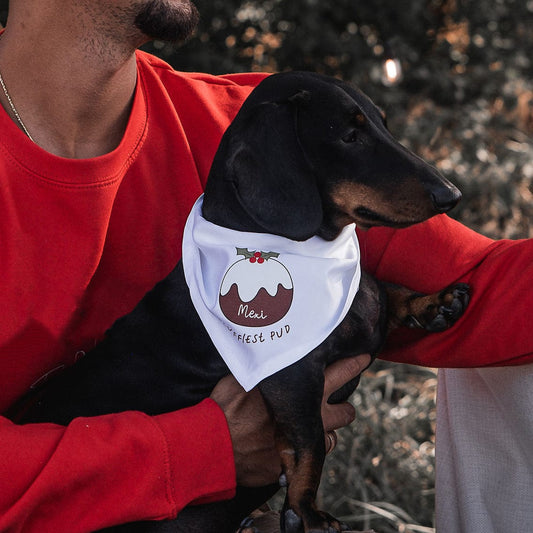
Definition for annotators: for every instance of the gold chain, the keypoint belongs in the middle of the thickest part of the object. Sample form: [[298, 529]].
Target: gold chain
[[13, 108]]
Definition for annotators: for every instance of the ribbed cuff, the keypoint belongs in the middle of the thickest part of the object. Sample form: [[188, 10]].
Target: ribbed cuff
[[201, 467]]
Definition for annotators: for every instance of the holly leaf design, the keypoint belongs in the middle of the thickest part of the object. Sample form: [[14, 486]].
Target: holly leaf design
[[269, 255], [244, 251], [264, 255]]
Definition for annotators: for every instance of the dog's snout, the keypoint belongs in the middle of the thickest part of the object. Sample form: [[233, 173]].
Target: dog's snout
[[445, 198]]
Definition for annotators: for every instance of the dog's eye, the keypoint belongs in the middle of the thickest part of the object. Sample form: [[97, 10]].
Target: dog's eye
[[350, 137]]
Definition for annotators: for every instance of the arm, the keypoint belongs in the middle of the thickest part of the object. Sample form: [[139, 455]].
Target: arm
[[113, 469], [495, 329], [126, 467]]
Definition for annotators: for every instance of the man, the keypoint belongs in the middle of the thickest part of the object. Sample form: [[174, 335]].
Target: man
[[102, 153]]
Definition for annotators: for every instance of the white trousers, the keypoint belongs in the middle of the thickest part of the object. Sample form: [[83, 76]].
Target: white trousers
[[484, 451]]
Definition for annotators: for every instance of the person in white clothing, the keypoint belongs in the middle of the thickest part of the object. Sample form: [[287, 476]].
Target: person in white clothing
[[484, 450]]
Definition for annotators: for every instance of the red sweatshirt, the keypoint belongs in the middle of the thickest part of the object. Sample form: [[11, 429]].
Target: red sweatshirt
[[84, 240]]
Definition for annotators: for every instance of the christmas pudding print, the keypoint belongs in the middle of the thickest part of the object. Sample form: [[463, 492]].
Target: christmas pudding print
[[257, 290]]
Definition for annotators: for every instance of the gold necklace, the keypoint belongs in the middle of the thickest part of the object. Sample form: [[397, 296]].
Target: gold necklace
[[14, 110]]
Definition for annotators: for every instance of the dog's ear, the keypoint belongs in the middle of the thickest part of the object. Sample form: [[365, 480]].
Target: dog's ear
[[271, 174]]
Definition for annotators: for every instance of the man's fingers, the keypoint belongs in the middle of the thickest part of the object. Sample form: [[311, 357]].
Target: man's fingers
[[342, 371], [337, 416]]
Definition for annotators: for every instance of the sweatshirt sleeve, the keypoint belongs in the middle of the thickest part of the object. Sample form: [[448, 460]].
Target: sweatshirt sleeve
[[113, 469], [495, 329]]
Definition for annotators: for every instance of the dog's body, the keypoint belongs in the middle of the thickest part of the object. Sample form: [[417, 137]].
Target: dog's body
[[306, 155]]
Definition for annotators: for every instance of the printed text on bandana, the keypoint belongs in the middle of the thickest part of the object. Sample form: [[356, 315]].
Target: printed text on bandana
[[254, 338]]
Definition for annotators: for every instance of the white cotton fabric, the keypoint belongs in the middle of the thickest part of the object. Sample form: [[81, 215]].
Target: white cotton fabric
[[306, 288], [485, 450]]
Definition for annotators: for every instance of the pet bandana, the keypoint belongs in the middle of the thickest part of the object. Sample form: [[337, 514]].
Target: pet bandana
[[265, 300]]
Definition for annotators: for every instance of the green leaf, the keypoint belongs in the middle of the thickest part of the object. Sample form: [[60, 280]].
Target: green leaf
[[244, 251], [268, 255]]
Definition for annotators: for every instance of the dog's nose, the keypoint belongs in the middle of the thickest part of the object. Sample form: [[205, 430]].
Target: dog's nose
[[445, 198]]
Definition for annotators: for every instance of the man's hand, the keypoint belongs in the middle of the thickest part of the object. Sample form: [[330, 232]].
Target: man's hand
[[335, 416], [252, 433], [252, 430]]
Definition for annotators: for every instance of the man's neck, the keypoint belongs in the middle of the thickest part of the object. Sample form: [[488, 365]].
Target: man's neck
[[75, 102]]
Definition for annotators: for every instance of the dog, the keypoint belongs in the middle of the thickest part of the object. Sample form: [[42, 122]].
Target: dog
[[305, 156]]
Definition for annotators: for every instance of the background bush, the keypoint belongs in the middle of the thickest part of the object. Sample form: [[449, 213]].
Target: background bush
[[465, 104]]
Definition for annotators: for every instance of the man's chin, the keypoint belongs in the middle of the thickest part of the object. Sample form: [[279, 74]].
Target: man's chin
[[168, 20]]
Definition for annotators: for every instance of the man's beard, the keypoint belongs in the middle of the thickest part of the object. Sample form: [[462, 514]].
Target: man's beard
[[167, 20]]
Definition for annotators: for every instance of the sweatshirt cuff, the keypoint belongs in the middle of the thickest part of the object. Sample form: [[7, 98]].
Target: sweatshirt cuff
[[201, 467]]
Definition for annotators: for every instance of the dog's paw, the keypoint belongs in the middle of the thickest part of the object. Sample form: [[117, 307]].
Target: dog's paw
[[438, 312]]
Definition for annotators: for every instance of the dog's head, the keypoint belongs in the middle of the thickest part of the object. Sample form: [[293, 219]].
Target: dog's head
[[308, 154]]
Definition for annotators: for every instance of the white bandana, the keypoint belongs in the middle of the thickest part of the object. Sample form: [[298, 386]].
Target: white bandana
[[267, 301]]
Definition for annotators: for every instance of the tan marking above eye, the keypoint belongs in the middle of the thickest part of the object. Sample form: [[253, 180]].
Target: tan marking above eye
[[360, 119]]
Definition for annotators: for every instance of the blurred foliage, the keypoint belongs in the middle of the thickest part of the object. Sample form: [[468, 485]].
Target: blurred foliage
[[436, 40], [382, 473]]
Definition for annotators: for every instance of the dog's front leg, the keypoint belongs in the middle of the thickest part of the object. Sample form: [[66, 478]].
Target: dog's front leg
[[294, 397]]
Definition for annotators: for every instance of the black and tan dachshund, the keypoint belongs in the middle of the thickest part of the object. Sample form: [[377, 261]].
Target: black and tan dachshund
[[306, 155]]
